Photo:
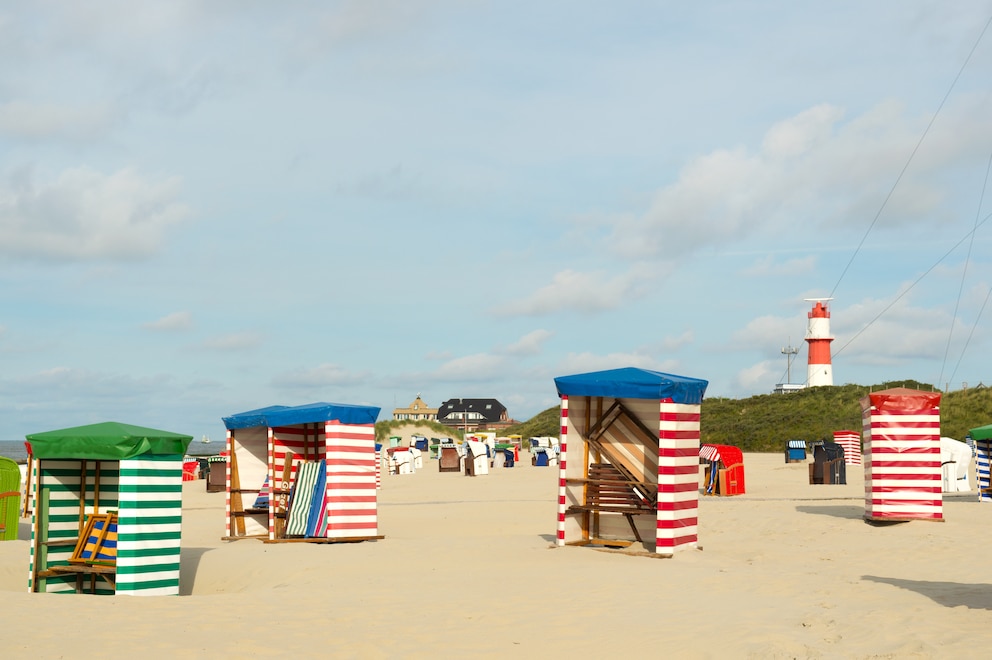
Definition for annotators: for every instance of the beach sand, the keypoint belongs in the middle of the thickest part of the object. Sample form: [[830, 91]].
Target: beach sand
[[468, 567]]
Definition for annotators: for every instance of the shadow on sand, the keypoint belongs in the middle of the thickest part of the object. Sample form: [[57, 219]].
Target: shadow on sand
[[189, 563], [850, 512], [950, 594]]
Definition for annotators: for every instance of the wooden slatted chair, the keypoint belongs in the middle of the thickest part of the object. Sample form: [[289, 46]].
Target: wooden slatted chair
[[95, 554], [609, 492]]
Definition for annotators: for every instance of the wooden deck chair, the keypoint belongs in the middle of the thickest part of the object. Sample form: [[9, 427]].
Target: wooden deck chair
[[95, 554], [97, 545]]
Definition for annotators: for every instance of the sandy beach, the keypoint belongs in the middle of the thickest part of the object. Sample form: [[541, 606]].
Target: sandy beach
[[468, 567]]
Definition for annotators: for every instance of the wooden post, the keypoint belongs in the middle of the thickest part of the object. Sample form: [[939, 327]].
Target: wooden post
[[283, 498]]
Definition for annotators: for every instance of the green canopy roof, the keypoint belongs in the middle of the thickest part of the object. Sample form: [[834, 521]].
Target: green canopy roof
[[981, 433], [107, 441]]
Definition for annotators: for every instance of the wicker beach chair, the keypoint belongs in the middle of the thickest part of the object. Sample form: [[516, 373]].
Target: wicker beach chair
[[10, 498]]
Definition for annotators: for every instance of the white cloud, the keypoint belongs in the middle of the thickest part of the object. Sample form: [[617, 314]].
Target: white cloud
[[769, 267], [478, 367], [233, 342], [576, 363], [902, 334], [767, 333], [176, 321], [572, 290], [31, 120], [85, 384], [757, 377], [529, 344], [812, 168], [324, 375], [87, 215]]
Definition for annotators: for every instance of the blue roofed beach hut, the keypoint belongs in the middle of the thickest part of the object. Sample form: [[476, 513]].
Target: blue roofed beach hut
[[629, 459], [326, 450]]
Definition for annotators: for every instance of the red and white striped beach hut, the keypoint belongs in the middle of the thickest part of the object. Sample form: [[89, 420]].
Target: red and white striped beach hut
[[629, 459], [902, 455], [326, 450], [851, 442]]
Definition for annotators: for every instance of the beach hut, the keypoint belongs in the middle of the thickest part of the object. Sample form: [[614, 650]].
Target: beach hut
[[851, 442], [902, 455], [628, 460], [319, 462], [982, 437], [108, 510], [724, 472], [795, 451]]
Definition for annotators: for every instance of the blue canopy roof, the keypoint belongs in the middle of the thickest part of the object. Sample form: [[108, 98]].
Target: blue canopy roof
[[305, 414], [633, 383]]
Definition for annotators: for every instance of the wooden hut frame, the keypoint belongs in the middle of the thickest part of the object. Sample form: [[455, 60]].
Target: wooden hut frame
[[140, 493], [269, 445], [628, 462]]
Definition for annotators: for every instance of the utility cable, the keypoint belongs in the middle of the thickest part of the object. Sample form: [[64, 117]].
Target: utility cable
[[964, 272], [911, 155], [915, 282]]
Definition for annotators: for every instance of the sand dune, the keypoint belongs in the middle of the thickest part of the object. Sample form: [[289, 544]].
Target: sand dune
[[468, 568]]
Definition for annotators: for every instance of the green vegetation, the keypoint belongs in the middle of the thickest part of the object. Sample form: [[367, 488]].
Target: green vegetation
[[385, 429], [546, 423], [764, 422]]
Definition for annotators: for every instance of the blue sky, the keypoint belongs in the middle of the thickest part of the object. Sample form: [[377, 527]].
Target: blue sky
[[211, 207]]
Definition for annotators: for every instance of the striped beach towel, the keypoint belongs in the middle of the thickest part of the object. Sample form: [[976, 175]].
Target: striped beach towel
[[317, 521], [262, 500], [302, 498]]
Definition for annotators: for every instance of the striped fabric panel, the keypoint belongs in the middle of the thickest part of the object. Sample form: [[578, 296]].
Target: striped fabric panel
[[902, 465], [983, 458], [562, 471], [378, 469], [851, 442], [303, 489], [149, 525], [709, 453], [317, 522], [227, 480], [352, 503], [678, 477]]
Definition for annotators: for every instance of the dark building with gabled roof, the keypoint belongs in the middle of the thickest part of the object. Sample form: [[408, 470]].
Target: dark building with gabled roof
[[473, 414]]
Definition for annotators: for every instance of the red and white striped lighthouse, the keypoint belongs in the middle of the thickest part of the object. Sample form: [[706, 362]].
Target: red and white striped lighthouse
[[819, 371]]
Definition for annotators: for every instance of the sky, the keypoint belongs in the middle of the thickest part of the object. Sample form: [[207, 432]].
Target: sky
[[211, 207]]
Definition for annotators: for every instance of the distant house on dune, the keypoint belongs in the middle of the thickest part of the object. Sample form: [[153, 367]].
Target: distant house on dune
[[471, 415], [416, 411]]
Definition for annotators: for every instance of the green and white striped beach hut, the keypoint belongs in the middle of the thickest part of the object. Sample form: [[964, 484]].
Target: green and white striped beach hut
[[108, 468]]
